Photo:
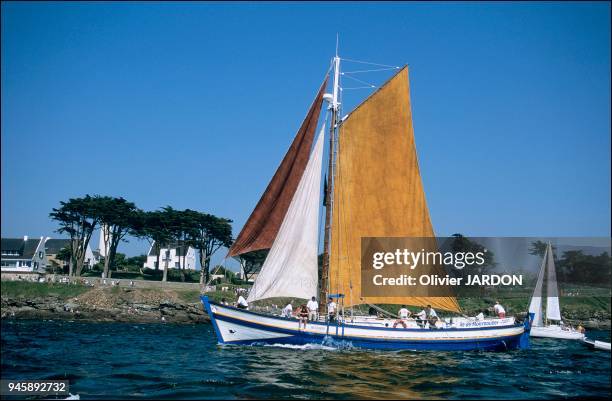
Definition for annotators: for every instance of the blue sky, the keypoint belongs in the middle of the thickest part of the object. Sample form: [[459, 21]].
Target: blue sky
[[193, 105]]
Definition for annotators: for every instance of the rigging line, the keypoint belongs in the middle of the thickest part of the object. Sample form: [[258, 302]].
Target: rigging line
[[374, 70], [370, 63], [360, 81], [357, 87], [216, 270]]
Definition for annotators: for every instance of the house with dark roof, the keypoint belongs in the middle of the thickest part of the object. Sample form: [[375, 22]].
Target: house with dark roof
[[171, 254], [54, 245], [23, 255]]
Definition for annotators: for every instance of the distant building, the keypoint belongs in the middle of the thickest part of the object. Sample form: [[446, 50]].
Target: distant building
[[54, 245], [171, 254], [23, 255]]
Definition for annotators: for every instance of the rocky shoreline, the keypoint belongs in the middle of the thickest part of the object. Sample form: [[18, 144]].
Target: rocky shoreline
[[103, 305], [142, 305], [168, 310]]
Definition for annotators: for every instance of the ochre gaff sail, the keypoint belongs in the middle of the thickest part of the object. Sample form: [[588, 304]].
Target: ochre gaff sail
[[263, 224], [378, 190]]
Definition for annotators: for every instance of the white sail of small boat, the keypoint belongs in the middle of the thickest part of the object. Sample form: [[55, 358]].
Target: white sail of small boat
[[552, 326], [372, 146]]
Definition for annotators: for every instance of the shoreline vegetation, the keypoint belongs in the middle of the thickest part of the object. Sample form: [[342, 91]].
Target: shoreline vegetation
[[58, 301]]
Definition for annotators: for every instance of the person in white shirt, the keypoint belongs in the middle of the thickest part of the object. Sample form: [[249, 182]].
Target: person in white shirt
[[287, 310], [421, 318], [331, 310], [402, 315], [501, 312], [242, 303], [432, 317], [313, 308]]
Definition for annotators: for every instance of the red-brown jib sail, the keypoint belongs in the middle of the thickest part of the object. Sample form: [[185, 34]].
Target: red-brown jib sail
[[261, 228]]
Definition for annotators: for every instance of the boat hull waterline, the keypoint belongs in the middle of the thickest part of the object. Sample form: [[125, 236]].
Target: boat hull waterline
[[556, 332], [238, 326]]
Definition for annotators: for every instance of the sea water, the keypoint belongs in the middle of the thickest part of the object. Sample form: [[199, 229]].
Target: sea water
[[112, 360]]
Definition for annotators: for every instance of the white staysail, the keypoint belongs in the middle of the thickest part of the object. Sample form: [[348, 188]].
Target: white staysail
[[291, 267], [535, 306], [553, 311], [547, 270]]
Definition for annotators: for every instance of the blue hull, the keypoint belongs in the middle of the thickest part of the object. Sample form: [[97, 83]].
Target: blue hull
[[335, 338]]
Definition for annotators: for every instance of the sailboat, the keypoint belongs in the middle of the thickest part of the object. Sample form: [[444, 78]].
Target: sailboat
[[547, 327], [371, 152]]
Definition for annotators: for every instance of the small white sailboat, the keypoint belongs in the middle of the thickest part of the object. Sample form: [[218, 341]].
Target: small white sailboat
[[552, 326], [370, 148], [596, 344]]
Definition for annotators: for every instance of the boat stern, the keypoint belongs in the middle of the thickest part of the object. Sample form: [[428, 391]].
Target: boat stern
[[524, 341]]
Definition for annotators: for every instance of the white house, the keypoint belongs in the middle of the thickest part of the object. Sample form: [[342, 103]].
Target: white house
[[23, 255], [171, 255], [54, 245]]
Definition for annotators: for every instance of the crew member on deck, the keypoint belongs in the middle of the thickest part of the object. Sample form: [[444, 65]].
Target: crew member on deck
[[432, 317], [302, 314], [313, 308], [501, 312], [421, 317], [402, 315], [331, 310], [287, 310], [242, 303]]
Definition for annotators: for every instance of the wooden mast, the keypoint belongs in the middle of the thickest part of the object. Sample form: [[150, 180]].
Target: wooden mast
[[323, 290]]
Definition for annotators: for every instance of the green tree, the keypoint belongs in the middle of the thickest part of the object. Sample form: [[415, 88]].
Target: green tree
[[181, 227], [78, 218], [251, 262], [207, 233], [118, 218], [538, 248], [578, 267], [64, 255], [135, 263], [459, 243], [154, 226]]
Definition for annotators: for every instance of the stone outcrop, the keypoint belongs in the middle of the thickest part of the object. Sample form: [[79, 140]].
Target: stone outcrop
[[109, 304]]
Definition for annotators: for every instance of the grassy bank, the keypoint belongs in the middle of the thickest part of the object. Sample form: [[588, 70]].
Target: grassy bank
[[29, 290]]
